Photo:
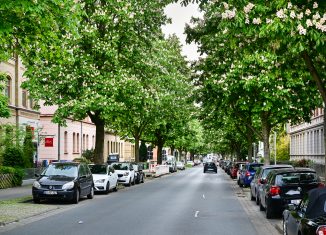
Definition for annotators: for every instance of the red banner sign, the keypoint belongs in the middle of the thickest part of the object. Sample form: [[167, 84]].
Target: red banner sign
[[48, 142]]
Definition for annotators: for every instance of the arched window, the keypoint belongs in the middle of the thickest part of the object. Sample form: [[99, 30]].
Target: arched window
[[66, 142]]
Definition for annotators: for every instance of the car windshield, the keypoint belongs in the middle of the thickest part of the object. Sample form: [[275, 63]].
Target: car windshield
[[68, 170], [296, 178], [121, 166], [98, 169]]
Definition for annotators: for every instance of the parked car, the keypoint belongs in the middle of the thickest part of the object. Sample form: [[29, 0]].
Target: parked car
[[105, 178], [126, 173], [284, 186], [260, 175], [234, 169], [210, 166], [309, 217], [180, 166], [172, 166], [191, 163], [241, 167], [228, 167], [64, 180], [139, 174], [247, 173]]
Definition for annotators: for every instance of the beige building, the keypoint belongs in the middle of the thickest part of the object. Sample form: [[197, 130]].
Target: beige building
[[53, 142]]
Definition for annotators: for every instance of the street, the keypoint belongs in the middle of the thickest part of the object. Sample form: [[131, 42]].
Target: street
[[187, 202]]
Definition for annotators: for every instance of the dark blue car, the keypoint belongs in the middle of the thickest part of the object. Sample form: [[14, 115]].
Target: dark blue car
[[248, 173]]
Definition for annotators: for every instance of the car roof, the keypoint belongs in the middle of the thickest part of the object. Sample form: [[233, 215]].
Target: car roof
[[67, 163], [284, 170], [277, 166]]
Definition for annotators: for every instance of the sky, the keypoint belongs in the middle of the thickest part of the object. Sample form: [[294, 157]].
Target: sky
[[180, 16]]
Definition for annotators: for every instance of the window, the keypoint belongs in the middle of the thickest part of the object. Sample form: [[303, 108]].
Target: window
[[93, 142], [8, 89], [31, 103], [74, 142], [77, 140], [66, 142], [87, 142], [24, 98], [84, 142]]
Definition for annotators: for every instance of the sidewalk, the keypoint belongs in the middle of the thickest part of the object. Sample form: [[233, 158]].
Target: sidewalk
[[17, 192]]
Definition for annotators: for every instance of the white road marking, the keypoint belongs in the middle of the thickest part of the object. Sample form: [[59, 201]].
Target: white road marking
[[196, 214], [204, 196]]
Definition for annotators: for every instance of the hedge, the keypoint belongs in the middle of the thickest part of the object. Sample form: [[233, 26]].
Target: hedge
[[11, 177]]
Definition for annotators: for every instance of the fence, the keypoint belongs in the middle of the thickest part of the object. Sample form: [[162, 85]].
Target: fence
[[6, 180]]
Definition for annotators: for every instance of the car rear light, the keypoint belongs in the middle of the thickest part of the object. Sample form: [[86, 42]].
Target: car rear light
[[321, 185], [321, 230], [248, 173], [274, 190]]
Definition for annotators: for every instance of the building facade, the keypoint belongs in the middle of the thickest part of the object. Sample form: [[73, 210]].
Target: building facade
[[307, 139], [53, 142]]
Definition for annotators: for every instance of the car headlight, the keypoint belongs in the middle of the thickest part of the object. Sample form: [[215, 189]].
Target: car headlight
[[126, 174], [68, 185], [36, 184], [100, 181]]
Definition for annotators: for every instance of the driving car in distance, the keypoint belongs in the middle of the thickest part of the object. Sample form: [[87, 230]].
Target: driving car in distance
[[105, 178], [210, 166], [309, 217], [64, 180]]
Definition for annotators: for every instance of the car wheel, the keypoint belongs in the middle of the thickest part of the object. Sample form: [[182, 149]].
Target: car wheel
[[285, 229], [76, 197], [257, 200], [261, 208], [269, 213], [116, 187], [36, 200], [252, 198], [107, 189], [134, 181], [129, 184], [142, 179], [91, 193], [204, 171]]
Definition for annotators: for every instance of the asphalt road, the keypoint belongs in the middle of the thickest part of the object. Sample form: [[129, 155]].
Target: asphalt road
[[188, 202]]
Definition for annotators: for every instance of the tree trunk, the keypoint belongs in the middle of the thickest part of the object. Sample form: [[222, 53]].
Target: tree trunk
[[159, 152], [192, 156], [180, 154], [99, 138], [137, 139], [266, 129], [250, 148]]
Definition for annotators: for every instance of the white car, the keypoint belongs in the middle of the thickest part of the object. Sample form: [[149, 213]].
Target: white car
[[105, 178], [180, 166], [125, 171]]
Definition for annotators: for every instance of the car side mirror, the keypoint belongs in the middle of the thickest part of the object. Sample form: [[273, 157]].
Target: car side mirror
[[36, 175]]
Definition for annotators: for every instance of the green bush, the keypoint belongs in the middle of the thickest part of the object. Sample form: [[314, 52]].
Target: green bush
[[18, 174], [89, 155], [13, 156]]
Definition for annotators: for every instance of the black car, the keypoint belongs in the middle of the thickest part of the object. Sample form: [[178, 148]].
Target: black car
[[260, 176], [210, 166], [64, 180], [309, 217], [139, 174], [284, 186]]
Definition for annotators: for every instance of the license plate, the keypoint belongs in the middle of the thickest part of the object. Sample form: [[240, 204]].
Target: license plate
[[296, 202], [50, 192]]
